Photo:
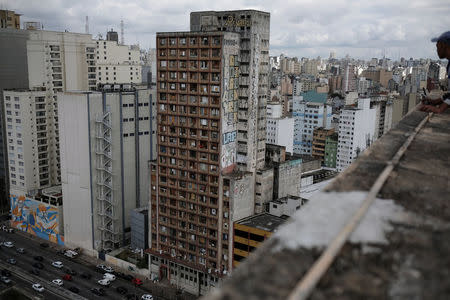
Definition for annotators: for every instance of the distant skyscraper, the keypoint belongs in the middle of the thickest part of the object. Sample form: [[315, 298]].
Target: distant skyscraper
[[356, 132], [117, 63], [9, 19], [310, 112]]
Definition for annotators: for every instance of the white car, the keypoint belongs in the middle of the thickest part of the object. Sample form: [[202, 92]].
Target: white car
[[8, 244], [108, 269], [38, 287], [58, 282], [104, 282], [57, 264], [109, 276], [70, 253], [147, 297]]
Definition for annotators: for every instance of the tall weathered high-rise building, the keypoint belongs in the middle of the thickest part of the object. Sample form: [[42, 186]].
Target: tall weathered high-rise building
[[197, 191], [212, 87], [254, 31]]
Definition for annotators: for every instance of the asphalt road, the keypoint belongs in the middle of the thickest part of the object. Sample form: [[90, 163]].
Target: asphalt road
[[24, 286], [25, 263]]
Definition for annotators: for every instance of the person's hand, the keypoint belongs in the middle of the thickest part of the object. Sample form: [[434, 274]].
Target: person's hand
[[429, 108], [429, 101]]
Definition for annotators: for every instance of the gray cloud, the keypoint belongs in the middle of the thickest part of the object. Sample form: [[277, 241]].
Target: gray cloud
[[298, 27]]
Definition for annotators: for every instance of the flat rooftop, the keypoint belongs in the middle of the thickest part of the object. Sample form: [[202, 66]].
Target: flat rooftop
[[263, 221]]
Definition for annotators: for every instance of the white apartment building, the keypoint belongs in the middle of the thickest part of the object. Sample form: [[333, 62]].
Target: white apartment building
[[279, 130], [105, 149], [308, 115], [117, 64], [363, 85], [356, 132], [32, 141], [48, 62]]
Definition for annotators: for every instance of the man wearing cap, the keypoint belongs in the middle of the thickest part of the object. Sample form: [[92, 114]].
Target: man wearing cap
[[443, 51]]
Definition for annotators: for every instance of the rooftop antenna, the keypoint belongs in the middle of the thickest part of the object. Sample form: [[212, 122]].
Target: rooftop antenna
[[121, 33], [86, 27]]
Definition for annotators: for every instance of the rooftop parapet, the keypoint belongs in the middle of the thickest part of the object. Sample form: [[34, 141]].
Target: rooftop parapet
[[399, 250]]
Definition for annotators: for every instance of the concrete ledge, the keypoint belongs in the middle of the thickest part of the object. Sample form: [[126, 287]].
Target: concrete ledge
[[411, 261]]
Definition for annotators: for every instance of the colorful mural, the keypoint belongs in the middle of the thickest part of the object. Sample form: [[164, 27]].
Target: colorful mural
[[37, 218]]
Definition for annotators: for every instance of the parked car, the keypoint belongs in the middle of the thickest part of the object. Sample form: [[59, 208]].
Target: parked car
[[86, 275], [38, 287], [109, 276], [35, 272], [101, 267], [38, 265], [70, 253], [108, 269], [44, 245], [57, 264], [67, 277], [70, 271], [98, 291], [38, 258], [6, 273], [147, 297], [128, 277], [8, 244], [21, 250], [104, 282], [58, 282], [5, 280], [121, 290], [74, 289], [12, 261], [137, 281]]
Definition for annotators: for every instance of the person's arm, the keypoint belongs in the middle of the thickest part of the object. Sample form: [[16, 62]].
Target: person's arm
[[438, 110], [428, 101]]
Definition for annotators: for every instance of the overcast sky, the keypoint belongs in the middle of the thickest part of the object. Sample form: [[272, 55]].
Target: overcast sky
[[303, 28]]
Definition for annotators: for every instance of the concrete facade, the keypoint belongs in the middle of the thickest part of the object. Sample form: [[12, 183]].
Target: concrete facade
[[286, 178], [331, 143], [9, 19], [32, 140], [280, 131], [308, 115], [48, 62], [356, 132], [117, 64], [264, 189], [139, 228], [105, 139], [199, 190], [286, 206], [254, 30]]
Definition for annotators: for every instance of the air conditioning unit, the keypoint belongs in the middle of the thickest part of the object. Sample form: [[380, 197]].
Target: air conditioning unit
[[225, 225]]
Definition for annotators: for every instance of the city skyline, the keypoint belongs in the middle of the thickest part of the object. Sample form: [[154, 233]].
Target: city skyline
[[298, 28]]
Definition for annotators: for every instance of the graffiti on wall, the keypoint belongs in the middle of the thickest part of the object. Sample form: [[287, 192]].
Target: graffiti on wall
[[37, 218], [229, 137], [230, 103], [230, 115]]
